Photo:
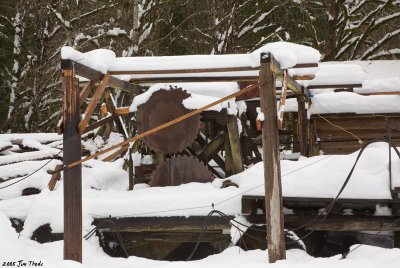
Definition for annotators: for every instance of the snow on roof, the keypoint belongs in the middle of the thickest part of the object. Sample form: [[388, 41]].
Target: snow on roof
[[348, 102], [336, 74], [287, 54]]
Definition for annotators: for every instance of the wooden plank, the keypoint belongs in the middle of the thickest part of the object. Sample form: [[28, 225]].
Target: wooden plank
[[121, 111], [93, 103], [186, 71], [212, 148], [91, 74], [272, 176], [193, 79], [322, 86], [100, 123], [234, 141], [229, 168], [55, 177], [170, 224], [73, 176], [338, 223], [302, 125]]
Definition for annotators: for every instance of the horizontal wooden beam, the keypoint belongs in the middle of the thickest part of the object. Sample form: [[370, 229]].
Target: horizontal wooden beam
[[100, 123], [322, 86], [186, 71], [91, 74], [339, 223], [193, 79]]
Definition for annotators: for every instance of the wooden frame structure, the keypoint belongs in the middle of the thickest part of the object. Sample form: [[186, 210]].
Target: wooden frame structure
[[73, 127]]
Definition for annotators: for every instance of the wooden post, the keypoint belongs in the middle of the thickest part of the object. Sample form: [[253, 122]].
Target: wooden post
[[272, 173], [130, 168], [229, 168], [72, 176], [302, 125], [234, 140]]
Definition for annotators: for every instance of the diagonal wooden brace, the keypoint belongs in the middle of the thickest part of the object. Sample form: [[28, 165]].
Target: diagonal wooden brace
[[93, 102]]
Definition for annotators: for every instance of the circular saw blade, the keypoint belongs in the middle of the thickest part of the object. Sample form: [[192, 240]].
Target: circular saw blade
[[162, 107], [178, 170]]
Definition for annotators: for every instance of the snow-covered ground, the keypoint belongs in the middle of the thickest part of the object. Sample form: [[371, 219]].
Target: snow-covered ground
[[105, 193], [16, 249]]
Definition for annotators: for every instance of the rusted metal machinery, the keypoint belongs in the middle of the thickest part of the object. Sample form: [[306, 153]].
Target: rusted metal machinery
[[198, 149]]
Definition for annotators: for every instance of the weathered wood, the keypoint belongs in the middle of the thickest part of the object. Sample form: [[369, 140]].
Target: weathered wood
[[339, 223], [229, 168], [302, 125], [234, 141], [101, 122], [54, 177], [130, 170], [322, 86], [165, 125], [212, 148], [85, 91], [92, 74], [120, 111], [304, 77], [170, 224], [272, 176], [93, 103], [168, 79], [186, 71], [72, 176]]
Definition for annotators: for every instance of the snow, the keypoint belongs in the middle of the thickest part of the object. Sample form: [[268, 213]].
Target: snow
[[105, 193], [334, 74], [40, 137], [287, 54], [348, 102], [50, 255], [325, 175], [4, 144], [198, 96], [97, 59]]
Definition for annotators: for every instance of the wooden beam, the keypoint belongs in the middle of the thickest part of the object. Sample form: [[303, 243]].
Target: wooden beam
[[304, 77], [93, 103], [302, 125], [99, 123], [272, 175], [212, 148], [73, 176], [334, 86], [55, 177], [91, 74], [121, 111], [234, 141], [186, 71], [229, 168], [232, 78]]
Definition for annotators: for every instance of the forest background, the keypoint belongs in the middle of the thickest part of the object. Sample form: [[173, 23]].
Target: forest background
[[32, 33]]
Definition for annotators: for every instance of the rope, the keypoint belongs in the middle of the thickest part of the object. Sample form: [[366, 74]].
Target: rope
[[341, 128]]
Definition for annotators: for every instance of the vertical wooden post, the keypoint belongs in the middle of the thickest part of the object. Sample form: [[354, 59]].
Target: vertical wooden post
[[302, 125], [229, 167], [130, 168], [272, 173], [72, 176], [234, 140]]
